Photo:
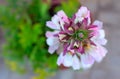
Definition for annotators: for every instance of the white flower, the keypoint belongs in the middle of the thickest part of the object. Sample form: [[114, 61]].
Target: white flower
[[82, 42]]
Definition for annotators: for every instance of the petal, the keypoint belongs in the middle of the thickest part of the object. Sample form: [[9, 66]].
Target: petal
[[53, 44], [89, 19], [103, 51], [97, 40], [87, 61], [52, 41], [51, 25], [99, 37], [68, 60], [51, 34], [63, 16], [101, 33], [98, 53], [78, 19], [53, 48], [82, 13], [102, 41], [98, 23], [60, 59], [56, 21], [95, 54], [76, 63]]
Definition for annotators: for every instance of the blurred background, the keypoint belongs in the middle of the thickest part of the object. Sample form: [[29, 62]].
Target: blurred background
[[23, 51]]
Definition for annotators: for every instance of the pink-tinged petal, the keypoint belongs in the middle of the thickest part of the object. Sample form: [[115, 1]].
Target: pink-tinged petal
[[98, 53], [95, 54], [93, 34], [82, 13], [50, 34], [51, 25], [53, 44], [100, 34], [60, 59], [76, 63], [52, 41], [63, 16], [86, 61], [68, 60], [102, 41], [56, 20], [103, 51], [97, 40], [72, 51], [98, 23], [53, 48]]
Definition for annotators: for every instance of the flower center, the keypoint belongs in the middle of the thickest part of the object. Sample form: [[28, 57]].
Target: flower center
[[80, 34]]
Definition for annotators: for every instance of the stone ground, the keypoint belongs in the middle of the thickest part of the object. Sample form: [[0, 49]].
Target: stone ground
[[107, 11]]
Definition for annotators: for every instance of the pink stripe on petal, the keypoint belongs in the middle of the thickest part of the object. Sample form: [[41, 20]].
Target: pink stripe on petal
[[93, 27], [65, 48], [51, 34]]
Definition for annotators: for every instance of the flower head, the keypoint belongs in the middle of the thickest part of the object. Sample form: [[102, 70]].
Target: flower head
[[82, 41]]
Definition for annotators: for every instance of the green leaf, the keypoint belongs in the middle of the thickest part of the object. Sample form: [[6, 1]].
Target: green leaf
[[70, 7]]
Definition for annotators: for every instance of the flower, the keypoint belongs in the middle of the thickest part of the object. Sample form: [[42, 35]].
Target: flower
[[82, 41]]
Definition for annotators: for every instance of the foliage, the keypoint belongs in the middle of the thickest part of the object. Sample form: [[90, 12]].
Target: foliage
[[70, 7], [23, 22]]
